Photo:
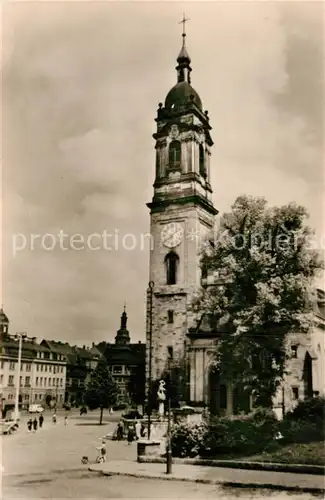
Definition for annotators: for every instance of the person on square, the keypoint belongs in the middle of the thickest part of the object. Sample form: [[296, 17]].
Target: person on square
[[35, 424], [29, 424], [102, 450], [54, 418], [130, 435], [41, 420], [138, 429]]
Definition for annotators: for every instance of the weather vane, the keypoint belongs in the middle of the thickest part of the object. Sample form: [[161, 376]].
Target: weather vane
[[183, 21]]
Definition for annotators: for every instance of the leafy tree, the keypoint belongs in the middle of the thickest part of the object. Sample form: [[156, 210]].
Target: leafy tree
[[265, 270], [101, 390], [137, 384]]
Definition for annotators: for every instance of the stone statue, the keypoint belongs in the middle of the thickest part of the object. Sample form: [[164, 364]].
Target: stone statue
[[161, 395]]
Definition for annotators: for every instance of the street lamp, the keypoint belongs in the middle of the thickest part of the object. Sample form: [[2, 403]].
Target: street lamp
[[20, 336], [150, 296], [169, 457]]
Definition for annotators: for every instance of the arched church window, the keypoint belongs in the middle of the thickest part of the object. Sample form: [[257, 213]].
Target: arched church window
[[171, 261], [202, 160], [174, 154]]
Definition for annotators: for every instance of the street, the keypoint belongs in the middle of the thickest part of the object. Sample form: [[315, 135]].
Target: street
[[47, 464]]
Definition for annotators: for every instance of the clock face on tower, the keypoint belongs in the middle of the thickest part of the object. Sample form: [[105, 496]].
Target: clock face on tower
[[172, 235]]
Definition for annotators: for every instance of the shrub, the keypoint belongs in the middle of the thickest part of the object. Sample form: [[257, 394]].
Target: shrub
[[301, 431], [241, 433], [311, 410], [187, 440]]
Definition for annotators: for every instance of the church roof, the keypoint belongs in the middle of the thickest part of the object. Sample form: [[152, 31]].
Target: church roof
[[182, 93]]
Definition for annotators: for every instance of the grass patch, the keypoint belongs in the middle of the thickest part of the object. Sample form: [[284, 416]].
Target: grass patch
[[295, 453]]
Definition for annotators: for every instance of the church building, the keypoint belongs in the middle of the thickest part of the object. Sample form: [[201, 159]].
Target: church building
[[182, 214]]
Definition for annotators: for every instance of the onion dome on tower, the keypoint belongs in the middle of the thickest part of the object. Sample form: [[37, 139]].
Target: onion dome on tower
[[182, 93]]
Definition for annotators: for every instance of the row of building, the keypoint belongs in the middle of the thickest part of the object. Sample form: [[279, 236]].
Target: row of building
[[54, 372]]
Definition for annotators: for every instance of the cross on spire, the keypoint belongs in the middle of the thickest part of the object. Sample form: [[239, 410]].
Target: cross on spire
[[183, 21]]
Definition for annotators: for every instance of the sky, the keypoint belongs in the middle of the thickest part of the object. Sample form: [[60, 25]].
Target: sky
[[81, 86]]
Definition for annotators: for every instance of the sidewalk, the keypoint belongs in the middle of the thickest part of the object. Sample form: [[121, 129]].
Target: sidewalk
[[215, 475]]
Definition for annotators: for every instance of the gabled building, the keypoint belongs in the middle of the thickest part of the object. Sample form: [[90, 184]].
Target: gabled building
[[80, 362]]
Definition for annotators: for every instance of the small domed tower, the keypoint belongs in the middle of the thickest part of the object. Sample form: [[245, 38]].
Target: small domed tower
[[123, 337], [4, 323]]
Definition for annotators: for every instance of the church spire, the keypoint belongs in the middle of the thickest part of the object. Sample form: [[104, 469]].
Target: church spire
[[124, 318], [183, 59], [123, 337]]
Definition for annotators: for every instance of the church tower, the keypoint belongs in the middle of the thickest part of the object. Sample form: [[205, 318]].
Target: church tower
[[181, 213]]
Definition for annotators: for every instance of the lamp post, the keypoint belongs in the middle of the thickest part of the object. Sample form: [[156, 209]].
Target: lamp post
[[169, 457], [20, 336], [150, 296]]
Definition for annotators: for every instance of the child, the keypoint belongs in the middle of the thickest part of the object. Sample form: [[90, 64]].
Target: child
[[102, 450]]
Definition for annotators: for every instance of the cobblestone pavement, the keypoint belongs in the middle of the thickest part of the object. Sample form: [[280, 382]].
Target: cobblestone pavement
[[46, 464]]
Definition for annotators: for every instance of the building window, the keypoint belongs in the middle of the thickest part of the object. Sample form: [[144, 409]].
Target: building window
[[1, 379], [26, 396], [22, 366], [295, 393], [45, 368], [174, 154], [37, 368], [171, 262], [11, 380], [28, 367], [170, 316], [12, 365], [20, 380], [61, 382], [2, 364], [223, 397], [27, 381], [294, 351], [54, 370], [202, 161], [36, 381]]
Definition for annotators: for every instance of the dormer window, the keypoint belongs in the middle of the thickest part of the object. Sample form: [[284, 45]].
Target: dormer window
[[174, 154]]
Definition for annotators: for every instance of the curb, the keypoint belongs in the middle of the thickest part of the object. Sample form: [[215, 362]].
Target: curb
[[318, 470], [231, 484]]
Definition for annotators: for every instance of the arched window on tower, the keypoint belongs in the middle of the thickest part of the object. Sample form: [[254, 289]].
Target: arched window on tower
[[202, 161], [171, 261], [174, 154]]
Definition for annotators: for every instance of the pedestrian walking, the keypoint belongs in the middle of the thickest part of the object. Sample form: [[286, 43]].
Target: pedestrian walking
[[138, 429], [35, 424], [119, 433], [65, 419], [29, 424], [40, 421], [54, 418], [130, 435]]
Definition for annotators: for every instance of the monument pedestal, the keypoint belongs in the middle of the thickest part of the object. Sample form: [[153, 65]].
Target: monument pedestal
[[149, 448]]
